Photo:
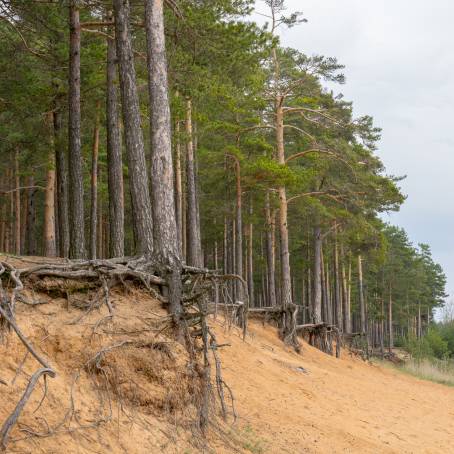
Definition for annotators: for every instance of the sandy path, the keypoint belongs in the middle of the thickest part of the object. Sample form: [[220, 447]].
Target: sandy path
[[338, 406]]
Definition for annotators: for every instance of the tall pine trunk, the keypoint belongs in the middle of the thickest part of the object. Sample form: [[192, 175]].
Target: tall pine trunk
[[17, 210], [250, 255], [114, 157], [239, 230], [31, 218], [167, 250], [138, 176], [362, 304], [324, 283], [382, 329], [345, 296], [317, 292], [270, 250], [179, 188], [61, 174], [193, 242], [94, 188], [49, 239], [286, 285], [337, 283], [76, 186], [2, 212], [100, 230], [390, 321]]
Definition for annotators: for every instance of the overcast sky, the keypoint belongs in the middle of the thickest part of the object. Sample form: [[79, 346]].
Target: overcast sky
[[399, 64]]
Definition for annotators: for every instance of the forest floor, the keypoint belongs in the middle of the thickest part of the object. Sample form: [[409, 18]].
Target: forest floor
[[286, 402]]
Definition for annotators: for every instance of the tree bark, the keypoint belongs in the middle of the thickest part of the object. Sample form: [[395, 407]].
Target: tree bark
[[382, 329], [250, 256], [239, 229], [76, 186], [167, 247], [390, 321], [270, 250], [114, 157], [419, 320], [17, 211], [49, 215], [31, 217], [100, 231], [2, 213], [138, 176], [193, 242], [10, 225], [317, 293], [286, 285], [337, 283], [94, 188], [61, 174], [329, 302], [362, 305], [345, 298], [179, 188], [324, 284]]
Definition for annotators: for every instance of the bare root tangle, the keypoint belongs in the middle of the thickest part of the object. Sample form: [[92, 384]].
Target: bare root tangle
[[24, 340], [102, 275], [95, 362], [23, 300], [196, 305], [70, 416], [4, 302], [7, 319], [288, 329], [12, 419], [357, 344], [220, 383], [322, 335], [46, 370], [287, 319], [15, 276]]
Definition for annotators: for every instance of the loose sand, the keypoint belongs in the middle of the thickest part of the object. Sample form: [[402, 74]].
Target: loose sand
[[286, 402], [335, 405]]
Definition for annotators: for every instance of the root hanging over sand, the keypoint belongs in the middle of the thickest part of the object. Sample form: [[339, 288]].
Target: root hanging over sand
[[87, 285]]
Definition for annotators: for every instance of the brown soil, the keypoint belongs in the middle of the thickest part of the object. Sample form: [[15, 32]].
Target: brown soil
[[286, 402]]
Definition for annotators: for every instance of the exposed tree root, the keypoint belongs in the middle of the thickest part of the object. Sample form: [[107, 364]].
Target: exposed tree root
[[322, 336], [45, 370], [189, 319], [14, 416]]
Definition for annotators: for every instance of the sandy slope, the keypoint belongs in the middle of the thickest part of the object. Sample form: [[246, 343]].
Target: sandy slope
[[287, 403], [338, 406]]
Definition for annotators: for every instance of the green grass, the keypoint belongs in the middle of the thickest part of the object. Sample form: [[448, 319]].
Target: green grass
[[247, 439], [436, 370], [431, 369], [251, 442]]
